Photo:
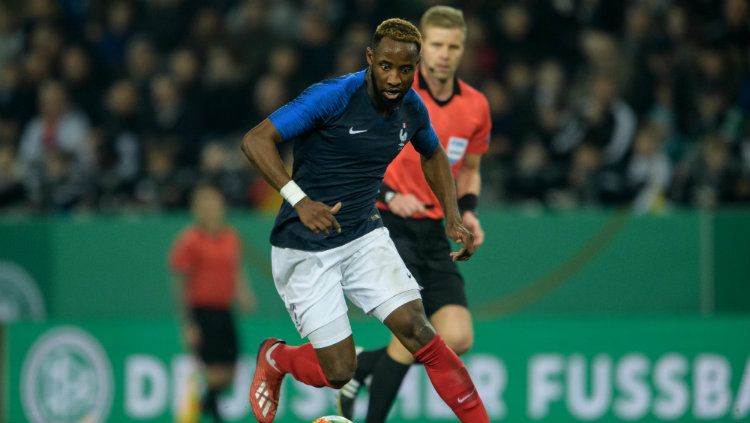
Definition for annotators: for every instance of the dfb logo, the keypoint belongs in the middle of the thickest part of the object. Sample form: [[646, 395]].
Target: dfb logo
[[66, 378]]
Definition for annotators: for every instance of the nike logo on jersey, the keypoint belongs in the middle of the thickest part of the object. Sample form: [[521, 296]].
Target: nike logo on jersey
[[353, 132], [461, 400]]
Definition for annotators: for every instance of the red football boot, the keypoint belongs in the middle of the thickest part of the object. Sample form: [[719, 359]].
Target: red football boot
[[266, 385]]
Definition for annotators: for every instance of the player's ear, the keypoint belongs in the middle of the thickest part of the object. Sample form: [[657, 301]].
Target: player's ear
[[369, 53]]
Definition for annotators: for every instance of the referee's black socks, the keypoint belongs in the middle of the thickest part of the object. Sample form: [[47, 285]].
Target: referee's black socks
[[386, 381], [366, 362], [211, 404]]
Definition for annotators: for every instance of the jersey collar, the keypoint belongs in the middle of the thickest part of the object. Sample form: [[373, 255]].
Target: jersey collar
[[423, 86]]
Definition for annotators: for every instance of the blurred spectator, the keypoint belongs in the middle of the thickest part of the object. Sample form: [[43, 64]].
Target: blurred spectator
[[119, 151], [57, 128], [248, 24], [648, 171], [112, 40], [603, 120], [268, 95], [515, 37], [170, 116], [12, 192], [532, 175], [16, 102], [58, 185], [167, 21], [11, 37], [582, 186], [226, 95], [207, 30], [77, 74], [708, 178], [163, 186], [142, 61], [46, 41], [184, 68], [230, 176]]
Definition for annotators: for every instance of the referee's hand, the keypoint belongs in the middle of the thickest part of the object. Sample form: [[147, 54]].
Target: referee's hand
[[191, 333], [317, 216], [460, 235], [406, 205]]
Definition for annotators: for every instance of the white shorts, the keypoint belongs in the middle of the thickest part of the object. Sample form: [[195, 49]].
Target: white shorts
[[368, 271]]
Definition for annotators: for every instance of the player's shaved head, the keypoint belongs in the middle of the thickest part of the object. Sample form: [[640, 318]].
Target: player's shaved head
[[443, 17], [397, 30]]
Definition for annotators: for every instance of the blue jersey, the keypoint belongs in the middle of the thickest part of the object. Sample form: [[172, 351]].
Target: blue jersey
[[342, 146]]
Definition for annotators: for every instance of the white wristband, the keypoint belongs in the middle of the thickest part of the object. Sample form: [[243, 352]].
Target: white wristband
[[292, 193]]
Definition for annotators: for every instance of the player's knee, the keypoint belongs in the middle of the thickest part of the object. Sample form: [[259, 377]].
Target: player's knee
[[418, 334], [340, 372], [459, 342]]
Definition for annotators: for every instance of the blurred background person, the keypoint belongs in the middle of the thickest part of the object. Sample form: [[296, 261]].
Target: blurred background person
[[207, 259]]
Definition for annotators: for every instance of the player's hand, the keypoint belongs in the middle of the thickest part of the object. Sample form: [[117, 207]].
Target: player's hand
[[471, 222], [192, 335], [406, 205], [317, 216], [460, 235]]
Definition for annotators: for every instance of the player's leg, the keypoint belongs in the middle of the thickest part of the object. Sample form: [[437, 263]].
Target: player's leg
[[444, 301], [387, 373], [452, 322], [446, 371], [377, 281], [218, 352], [310, 286], [316, 363], [218, 378]]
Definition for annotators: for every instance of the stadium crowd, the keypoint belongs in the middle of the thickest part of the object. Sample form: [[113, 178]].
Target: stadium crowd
[[114, 105]]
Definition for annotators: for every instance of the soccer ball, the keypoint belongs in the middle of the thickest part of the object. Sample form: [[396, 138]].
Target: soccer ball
[[332, 419]]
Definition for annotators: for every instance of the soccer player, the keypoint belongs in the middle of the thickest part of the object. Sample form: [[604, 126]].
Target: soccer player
[[461, 118], [207, 257], [329, 240]]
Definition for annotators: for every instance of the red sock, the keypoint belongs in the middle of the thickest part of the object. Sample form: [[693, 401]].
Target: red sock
[[452, 382], [301, 362]]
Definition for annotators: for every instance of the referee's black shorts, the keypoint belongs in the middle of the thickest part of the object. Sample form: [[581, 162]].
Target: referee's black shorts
[[425, 249], [218, 340]]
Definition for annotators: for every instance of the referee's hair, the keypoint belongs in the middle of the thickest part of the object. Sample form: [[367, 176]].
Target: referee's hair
[[443, 17], [397, 30], [205, 185]]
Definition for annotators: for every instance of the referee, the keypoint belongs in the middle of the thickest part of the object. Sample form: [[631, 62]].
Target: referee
[[206, 257]]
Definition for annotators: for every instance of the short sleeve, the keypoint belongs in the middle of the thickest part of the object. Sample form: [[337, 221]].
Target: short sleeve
[[480, 140], [181, 255], [315, 105], [425, 140]]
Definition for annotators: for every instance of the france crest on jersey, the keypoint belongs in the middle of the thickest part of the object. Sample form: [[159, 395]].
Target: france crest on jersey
[[342, 146]]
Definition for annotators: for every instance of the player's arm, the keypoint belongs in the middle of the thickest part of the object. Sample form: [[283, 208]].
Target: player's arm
[[468, 186], [245, 297], [259, 146], [180, 259], [437, 172]]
